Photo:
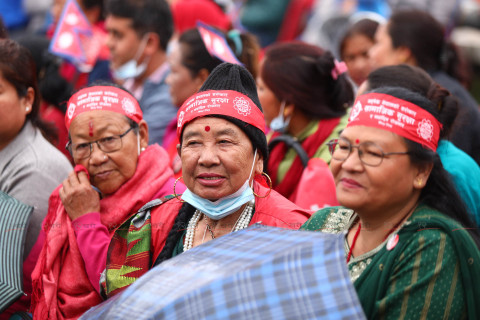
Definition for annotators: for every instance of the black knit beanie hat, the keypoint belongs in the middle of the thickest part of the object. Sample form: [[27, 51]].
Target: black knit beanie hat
[[228, 76]]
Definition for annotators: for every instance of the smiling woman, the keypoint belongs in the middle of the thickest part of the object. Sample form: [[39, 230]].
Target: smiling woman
[[222, 149], [116, 174], [409, 241], [190, 64]]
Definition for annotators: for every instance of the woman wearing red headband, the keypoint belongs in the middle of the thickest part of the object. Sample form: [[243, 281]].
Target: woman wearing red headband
[[222, 149], [116, 175], [410, 246], [190, 64]]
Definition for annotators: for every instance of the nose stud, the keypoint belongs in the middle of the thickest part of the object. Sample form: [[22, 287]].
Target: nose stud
[[104, 157]]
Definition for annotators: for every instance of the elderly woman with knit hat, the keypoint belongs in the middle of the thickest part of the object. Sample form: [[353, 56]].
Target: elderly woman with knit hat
[[116, 174], [222, 148]]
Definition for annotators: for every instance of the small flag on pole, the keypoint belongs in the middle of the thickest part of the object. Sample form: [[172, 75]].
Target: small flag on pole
[[73, 38], [216, 44]]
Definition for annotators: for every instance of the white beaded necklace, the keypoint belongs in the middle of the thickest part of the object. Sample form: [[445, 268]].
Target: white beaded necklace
[[242, 222]]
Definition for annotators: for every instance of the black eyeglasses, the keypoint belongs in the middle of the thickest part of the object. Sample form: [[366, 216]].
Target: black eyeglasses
[[109, 144], [368, 152]]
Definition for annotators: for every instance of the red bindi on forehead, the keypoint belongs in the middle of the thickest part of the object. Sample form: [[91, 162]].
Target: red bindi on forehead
[[207, 128], [90, 128], [357, 141]]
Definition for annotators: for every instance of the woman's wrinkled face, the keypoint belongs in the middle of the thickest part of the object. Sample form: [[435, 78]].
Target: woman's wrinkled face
[[269, 101], [217, 157], [382, 53], [13, 111], [368, 189], [108, 171], [355, 55], [182, 83]]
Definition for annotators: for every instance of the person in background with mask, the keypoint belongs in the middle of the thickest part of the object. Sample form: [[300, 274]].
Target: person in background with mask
[[138, 34], [305, 94], [116, 174], [222, 151]]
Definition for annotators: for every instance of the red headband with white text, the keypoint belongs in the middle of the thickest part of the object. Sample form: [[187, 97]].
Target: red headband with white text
[[406, 119], [106, 98], [220, 102]]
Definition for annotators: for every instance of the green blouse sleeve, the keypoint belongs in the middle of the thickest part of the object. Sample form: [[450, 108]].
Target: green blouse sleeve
[[425, 282], [317, 220]]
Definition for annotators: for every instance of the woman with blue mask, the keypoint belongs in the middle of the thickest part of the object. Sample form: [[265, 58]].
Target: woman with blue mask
[[305, 94], [222, 149]]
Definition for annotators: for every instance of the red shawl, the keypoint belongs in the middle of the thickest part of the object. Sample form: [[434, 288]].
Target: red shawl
[[311, 144], [61, 288]]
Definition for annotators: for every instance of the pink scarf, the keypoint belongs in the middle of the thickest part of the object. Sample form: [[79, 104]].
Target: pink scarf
[[61, 288]]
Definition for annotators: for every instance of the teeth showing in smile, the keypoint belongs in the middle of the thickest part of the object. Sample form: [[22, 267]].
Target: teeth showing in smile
[[211, 178]]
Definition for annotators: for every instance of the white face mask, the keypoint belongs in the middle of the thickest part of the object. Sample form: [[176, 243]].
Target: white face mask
[[279, 123], [225, 206], [131, 69]]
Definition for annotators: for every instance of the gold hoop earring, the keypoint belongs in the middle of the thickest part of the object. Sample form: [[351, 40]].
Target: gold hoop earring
[[269, 185], [174, 192]]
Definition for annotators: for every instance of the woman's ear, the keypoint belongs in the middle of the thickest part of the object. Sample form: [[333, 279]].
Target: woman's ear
[[258, 164], [201, 77], [420, 180], [404, 55], [288, 110], [28, 100], [143, 132], [179, 150]]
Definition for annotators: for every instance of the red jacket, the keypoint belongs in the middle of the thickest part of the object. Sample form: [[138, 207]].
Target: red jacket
[[273, 210]]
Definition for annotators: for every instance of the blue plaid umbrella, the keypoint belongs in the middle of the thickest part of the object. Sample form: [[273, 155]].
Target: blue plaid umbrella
[[14, 217], [257, 273]]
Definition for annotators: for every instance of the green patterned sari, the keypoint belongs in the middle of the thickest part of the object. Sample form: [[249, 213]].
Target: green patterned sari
[[432, 273]]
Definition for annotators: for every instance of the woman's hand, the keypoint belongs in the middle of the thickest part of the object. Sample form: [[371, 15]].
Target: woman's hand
[[78, 196]]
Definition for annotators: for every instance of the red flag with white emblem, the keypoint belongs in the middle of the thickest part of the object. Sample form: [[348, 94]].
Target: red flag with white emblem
[[74, 38], [216, 44]]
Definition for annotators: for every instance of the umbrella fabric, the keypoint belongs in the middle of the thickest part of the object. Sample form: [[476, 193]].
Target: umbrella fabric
[[257, 273], [14, 217]]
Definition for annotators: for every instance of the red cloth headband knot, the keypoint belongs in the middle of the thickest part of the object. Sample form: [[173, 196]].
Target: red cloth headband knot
[[106, 98], [389, 113], [220, 102]]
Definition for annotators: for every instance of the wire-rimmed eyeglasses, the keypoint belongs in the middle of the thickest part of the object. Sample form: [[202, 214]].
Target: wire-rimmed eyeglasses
[[109, 144], [368, 152]]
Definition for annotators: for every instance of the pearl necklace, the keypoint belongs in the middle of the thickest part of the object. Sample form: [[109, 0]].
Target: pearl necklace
[[242, 222]]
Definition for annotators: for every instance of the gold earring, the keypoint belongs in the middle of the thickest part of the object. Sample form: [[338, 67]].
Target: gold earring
[[419, 182], [174, 192], [269, 185]]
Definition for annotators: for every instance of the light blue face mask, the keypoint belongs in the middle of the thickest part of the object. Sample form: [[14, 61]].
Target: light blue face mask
[[131, 69], [279, 123], [223, 207]]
